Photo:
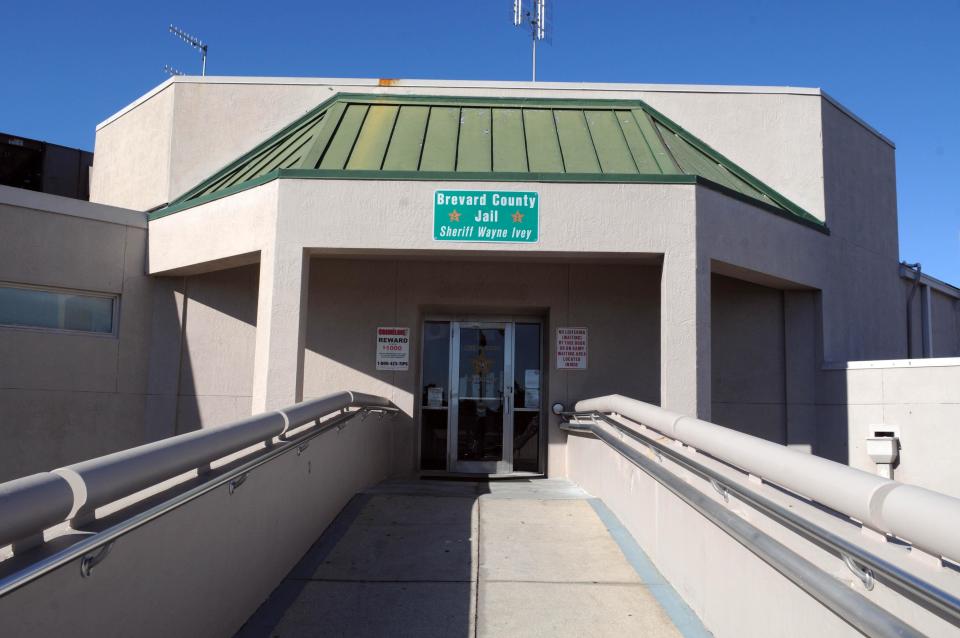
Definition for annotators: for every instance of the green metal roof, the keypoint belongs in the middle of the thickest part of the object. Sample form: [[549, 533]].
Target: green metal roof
[[460, 138]]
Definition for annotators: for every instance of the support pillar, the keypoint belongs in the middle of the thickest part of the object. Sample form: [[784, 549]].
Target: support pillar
[[926, 320], [801, 362], [281, 329], [685, 334]]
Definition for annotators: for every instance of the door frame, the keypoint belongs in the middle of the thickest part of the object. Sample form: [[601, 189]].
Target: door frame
[[505, 464], [478, 318]]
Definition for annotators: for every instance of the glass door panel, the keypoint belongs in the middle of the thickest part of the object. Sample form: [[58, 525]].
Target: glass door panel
[[482, 403], [528, 385]]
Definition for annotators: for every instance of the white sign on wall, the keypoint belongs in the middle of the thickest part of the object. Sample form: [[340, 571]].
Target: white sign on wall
[[393, 348], [571, 348]]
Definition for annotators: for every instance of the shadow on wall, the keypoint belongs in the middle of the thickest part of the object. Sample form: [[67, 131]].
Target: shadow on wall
[[748, 380], [390, 564], [201, 369], [767, 377], [833, 416], [202, 375], [349, 298]]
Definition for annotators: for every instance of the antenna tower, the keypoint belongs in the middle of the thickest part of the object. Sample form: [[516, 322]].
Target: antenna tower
[[534, 16], [195, 43]]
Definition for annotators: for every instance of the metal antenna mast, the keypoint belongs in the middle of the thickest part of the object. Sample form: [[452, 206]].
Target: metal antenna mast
[[534, 16], [195, 43]]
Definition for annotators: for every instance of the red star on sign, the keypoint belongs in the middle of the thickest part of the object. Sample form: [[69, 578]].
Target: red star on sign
[[454, 216], [517, 217]]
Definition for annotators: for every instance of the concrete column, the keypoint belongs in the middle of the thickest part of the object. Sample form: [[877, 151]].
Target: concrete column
[[685, 334], [926, 321], [801, 361], [281, 329]]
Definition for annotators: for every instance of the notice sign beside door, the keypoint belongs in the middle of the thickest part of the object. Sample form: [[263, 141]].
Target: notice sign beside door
[[393, 348], [571, 348]]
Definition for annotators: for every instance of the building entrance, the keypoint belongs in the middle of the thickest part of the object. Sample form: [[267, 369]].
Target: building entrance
[[481, 399]]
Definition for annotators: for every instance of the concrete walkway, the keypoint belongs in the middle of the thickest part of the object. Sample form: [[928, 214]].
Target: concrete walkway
[[443, 558]]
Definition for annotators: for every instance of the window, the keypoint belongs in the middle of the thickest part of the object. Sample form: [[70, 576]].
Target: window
[[49, 309], [435, 393]]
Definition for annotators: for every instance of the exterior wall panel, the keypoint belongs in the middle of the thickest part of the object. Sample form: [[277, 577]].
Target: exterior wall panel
[[945, 324], [132, 155], [748, 359], [66, 397], [350, 298]]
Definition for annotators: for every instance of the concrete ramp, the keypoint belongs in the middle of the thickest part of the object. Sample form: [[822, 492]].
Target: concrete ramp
[[443, 558]]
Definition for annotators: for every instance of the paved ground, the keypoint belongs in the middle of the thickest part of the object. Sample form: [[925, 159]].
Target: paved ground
[[453, 558]]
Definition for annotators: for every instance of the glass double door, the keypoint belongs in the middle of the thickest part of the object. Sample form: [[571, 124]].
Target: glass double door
[[492, 408]]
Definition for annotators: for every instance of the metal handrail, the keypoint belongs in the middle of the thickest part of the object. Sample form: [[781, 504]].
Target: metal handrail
[[86, 549], [852, 607], [931, 597], [926, 519]]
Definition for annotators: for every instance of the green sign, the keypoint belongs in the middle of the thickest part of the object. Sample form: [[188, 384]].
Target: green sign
[[497, 216]]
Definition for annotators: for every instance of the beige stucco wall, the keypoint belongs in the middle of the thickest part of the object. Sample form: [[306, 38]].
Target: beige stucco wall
[[132, 162], [284, 218], [940, 306], [65, 397], [920, 398], [195, 126], [386, 219], [862, 303], [839, 295], [731, 589], [945, 324], [349, 298], [203, 568], [860, 186], [216, 367], [748, 358]]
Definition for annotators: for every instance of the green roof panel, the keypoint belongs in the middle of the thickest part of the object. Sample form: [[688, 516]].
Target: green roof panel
[[543, 144], [403, 154], [440, 143], [509, 143], [609, 143], [457, 138], [579, 155], [371, 145], [345, 137], [474, 144]]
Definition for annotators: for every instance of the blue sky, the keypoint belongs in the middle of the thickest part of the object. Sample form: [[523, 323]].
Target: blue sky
[[69, 65]]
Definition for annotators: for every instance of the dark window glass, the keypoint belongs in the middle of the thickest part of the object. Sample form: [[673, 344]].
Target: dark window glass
[[433, 439], [480, 413], [435, 394], [528, 388], [526, 441], [35, 308], [436, 364]]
